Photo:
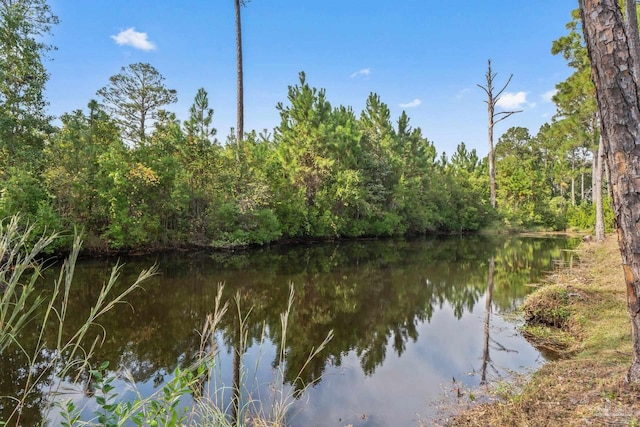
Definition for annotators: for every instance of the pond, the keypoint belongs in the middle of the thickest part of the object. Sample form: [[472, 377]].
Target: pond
[[408, 319]]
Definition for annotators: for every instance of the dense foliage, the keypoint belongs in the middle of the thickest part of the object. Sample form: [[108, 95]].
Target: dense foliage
[[131, 175]]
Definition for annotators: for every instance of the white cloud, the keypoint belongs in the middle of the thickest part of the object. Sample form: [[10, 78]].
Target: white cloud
[[416, 102], [510, 100], [363, 72], [133, 38], [547, 96]]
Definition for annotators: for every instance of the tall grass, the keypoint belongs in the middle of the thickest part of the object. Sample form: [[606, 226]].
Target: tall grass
[[249, 405], [201, 382], [21, 297], [27, 307]]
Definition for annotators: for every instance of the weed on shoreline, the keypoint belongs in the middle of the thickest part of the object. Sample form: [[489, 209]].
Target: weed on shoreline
[[582, 315]]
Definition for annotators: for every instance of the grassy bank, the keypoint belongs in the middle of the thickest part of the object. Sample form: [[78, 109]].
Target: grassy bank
[[581, 317]]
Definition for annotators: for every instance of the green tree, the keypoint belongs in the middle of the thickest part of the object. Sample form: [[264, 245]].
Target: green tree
[[242, 212], [201, 165], [134, 97], [381, 165], [575, 101], [577, 122], [415, 193], [123, 185], [342, 200], [464, 205], [301, 145], [24, 194], [167, 200], [24, 123], [524, 197], [199, 125], [72, 168]]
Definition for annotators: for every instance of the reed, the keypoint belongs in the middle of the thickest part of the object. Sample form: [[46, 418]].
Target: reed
[[26, 308], [21, 298], [201, 382]]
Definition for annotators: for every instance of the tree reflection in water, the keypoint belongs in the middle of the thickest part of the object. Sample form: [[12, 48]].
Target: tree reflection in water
[[372, 294], [488, 308], [487, 318]]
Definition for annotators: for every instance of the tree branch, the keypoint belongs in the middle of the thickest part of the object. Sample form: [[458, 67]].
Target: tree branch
[[504, 87], [505, 114]]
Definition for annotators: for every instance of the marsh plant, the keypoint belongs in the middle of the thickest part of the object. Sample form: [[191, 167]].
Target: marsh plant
[[22, 295], [195, 395]]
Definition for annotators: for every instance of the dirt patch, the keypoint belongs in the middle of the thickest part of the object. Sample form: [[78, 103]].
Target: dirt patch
[[581, 316], [566, 393]]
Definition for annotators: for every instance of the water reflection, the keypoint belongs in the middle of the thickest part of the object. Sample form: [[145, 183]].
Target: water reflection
[[384, 300], [487, 319], [488, 308]]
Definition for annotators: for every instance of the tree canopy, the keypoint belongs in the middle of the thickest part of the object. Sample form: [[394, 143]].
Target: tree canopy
[[132, 175]]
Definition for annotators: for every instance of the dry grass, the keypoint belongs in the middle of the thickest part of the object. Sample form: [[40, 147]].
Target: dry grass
[[582, 317]]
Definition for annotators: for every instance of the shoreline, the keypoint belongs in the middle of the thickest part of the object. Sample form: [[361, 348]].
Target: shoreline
[[581, 315], [91, 250]]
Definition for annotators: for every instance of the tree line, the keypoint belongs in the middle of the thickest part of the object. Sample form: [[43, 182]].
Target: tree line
[[131, 175]]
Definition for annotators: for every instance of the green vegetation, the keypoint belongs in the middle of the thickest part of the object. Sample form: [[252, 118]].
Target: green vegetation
[[581, 319], [132, 176], [128, 173], [60, 354], [68, 352]]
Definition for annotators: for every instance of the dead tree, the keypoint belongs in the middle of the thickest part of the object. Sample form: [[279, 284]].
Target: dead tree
[[494, 118]]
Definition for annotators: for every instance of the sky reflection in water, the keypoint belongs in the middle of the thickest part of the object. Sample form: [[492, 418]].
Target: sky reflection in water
[[408, 316]]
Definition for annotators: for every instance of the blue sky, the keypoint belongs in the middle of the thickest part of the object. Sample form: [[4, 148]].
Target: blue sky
[[423, 56]]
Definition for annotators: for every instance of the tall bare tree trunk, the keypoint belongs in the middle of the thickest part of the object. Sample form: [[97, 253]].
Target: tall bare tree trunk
[[597, 194], [612, 62], [492, 155], [494, 118], [240, 110], [573, 182]]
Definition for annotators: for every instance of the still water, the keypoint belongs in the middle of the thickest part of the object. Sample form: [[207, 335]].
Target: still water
[[408, 317]]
